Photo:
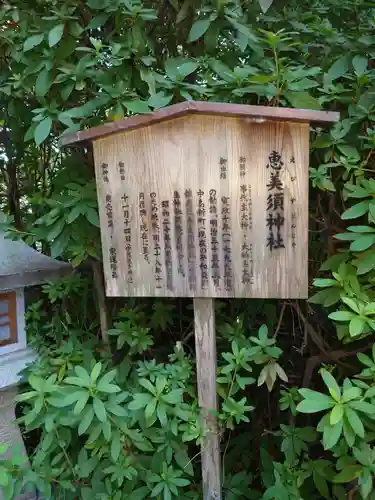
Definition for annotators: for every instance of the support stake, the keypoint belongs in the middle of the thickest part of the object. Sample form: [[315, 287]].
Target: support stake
[[205, 346]]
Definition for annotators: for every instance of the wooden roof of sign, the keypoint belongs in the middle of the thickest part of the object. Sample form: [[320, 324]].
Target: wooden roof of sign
[[21, 265], [205, 108]]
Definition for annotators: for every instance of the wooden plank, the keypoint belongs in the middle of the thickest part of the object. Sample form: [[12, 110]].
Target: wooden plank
[[222, 174], [205, 349], [210, 108]]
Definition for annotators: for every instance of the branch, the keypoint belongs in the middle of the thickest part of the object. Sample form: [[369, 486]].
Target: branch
[[329, 356]]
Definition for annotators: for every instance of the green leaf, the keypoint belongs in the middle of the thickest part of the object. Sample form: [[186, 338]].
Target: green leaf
[[315, 402], [327, 297], [3, 448], [56, 229], [348, 474], [351, 303], [302, 100], [150, 409], [137, 106], [43, 83], [336, 414], [349, 434], [147, 385], [96, 372], [362, 406], [86, 420], [157, 489], [33, 41], [183, 460], [66, 90], [323, 282], [366, 264], [167, 495], [362, 243], [356, 210], [99, 409], [349, 151], [98, 21], [356, 326], [265, 5], [321, 485], [42, 130], [162, 414], [330, 382], [92, 216], [341, 315], [223, 71], [366, 483], [360, 64], [338, 68], [355, 422], [159, 100], [198, 29], [351, 393], [115, 446], [174, 397], [54, 36], [331, 435], [140, 401], [187, 68], [81, 403], [4, 476]]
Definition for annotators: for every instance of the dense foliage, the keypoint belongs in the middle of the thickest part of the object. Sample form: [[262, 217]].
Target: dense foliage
[[119, 419]]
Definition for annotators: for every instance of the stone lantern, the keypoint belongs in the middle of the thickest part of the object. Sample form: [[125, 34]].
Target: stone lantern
[[20, 267]]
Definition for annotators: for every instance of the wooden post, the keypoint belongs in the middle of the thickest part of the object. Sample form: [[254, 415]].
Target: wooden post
[[205, 345]]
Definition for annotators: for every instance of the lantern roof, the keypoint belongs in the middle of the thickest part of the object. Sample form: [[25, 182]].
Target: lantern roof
[[22, 266], [245, 111]]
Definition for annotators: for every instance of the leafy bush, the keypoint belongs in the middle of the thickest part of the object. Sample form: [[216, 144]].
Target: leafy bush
[[132, 429]]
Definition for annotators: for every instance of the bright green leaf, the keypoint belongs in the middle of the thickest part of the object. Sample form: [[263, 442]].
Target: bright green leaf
[[362, 243], [356, 210], [331, 435], [330, 382], [336, 414], [342, 315], [356, 326], [354, 421]]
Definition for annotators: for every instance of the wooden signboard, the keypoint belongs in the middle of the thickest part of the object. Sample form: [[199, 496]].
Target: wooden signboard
[[205, 200], [205, 206]]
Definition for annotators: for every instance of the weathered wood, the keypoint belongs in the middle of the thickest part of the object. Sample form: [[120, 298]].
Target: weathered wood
[[97, 269], [144, 178], [201, 107], [205, 348]]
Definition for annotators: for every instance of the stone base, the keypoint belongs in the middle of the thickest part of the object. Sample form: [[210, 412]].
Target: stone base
[[10, 433], [12, 363]]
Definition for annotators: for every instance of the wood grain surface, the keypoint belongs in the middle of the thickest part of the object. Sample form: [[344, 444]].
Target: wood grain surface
[[187, 207], [205, 348]]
